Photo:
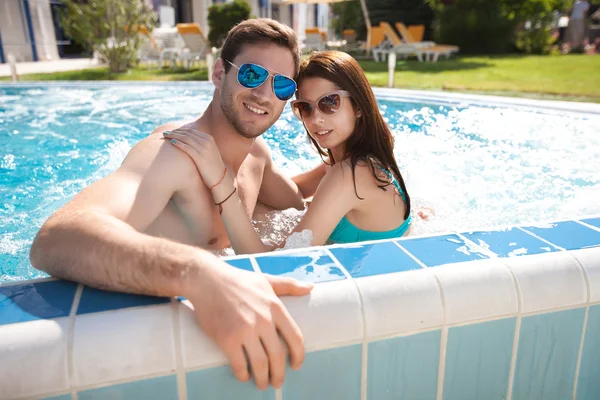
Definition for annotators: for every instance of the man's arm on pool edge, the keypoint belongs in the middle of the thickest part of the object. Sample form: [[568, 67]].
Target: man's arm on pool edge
[[88, 243]]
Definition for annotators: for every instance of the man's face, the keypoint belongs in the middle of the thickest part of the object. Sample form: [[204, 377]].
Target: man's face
[[252, 111]]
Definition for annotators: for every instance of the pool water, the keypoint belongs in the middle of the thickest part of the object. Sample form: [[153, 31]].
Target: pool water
[[476, 165]]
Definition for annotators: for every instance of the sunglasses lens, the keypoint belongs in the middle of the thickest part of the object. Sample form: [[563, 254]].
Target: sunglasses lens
[[283, 87], [302, 110], [330, 104], [252, 76]]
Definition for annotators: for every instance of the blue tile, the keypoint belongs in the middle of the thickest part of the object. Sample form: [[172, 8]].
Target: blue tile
[[30, 301], [373, 259], [509, 243], [438, 250], [312, 265], [162, 388], [404, 367], [478, 360], [95, 300], [241, 263], [547, 354], [588, 386], [220, 384], [326, 374], [61, 397], [592, 221], [569, 235]]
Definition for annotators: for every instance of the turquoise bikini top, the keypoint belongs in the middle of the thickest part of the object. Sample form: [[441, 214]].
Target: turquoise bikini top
[[346, 232]]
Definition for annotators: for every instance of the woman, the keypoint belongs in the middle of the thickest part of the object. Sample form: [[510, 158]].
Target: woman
[[358, 191]]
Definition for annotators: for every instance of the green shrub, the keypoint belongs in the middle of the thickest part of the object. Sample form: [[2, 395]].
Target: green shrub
[[476, 26], [223, 17], [348, 15], [103, 26]]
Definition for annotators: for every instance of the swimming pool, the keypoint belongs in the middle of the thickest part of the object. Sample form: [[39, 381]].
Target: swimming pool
[[477, 165], [488, 313]]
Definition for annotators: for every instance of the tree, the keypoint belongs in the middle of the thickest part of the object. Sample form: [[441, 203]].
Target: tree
[[223, 17], [108, 27], [348, 15]]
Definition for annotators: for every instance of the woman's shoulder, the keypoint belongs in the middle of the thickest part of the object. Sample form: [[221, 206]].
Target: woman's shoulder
[[361, 178]]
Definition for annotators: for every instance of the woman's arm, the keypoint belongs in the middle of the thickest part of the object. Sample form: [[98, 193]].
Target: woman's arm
[[308, 181], [332, 200]]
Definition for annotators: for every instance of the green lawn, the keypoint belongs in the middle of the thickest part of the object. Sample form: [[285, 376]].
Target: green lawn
[[570, 77]]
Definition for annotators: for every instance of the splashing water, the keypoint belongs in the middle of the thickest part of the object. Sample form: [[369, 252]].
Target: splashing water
[[476, 166]]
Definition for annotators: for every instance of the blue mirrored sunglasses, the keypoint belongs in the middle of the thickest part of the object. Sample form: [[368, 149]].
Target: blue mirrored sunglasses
[[252, 76]]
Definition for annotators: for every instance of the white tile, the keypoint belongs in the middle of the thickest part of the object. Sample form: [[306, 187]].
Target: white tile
[[123, 344], [330, 315], [400, 302], [548, 280], [197, 349], [590, 260], [33, 358], [477, 289]]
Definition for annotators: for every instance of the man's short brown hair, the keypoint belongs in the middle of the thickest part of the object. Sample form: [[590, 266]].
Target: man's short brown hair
[[256, 31]]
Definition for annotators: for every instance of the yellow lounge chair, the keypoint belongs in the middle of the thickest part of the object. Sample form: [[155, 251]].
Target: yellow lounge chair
[[196, 44], [392, 44], [429, 49]]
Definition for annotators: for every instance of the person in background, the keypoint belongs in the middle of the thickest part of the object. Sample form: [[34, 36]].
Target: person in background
[[578, 24]]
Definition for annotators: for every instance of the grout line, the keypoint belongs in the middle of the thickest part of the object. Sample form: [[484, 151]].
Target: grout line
[[540, 238], [584, 326], [254, 264], [444, 327], [411, 256], [443, 341], [71, 339], [513, 359], [279, 394], [365, 343], [580, 352], [587, 225], [180, 373], [120, 381]]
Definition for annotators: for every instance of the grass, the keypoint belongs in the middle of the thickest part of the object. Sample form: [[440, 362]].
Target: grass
[[560, 77]]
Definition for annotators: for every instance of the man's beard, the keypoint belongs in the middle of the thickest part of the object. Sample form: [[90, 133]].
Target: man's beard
[[232, 115]]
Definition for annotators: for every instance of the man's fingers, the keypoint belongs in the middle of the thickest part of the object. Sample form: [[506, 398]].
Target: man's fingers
[[291, 335], [237, 360], [259, 362], [276, 353], [284, 286]]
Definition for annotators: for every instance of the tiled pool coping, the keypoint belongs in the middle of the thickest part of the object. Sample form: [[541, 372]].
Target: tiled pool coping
[[508, 313]]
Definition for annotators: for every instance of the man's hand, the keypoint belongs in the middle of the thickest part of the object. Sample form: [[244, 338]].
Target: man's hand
[[241, 312]]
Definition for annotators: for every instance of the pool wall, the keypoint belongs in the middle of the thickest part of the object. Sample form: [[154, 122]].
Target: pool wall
[[508, 313]]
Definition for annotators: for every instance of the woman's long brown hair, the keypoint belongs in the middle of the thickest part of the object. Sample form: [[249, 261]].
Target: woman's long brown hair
[[372, 141]]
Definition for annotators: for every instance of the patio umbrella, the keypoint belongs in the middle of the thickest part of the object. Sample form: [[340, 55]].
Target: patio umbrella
[[363, 5]]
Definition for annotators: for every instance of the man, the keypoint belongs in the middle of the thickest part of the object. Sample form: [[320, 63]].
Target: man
[[146, 227], [578, 23]]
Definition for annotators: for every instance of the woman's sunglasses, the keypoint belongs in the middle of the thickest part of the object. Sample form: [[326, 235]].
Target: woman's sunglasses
[[328, 104], [252, 76]]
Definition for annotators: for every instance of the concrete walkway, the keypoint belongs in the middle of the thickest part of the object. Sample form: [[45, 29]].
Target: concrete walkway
[[70, 64]]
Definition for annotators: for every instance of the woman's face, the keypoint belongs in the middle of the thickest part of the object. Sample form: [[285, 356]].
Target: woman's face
[[330, 131]]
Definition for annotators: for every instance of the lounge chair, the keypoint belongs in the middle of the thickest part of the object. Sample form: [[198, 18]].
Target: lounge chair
[[170, 42], [315, 39], [392, 44], [149, 51], [429, 49], [196, 45]]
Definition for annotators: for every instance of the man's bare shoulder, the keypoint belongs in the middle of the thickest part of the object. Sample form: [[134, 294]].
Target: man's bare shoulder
[[154, 153], [261, 150]]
